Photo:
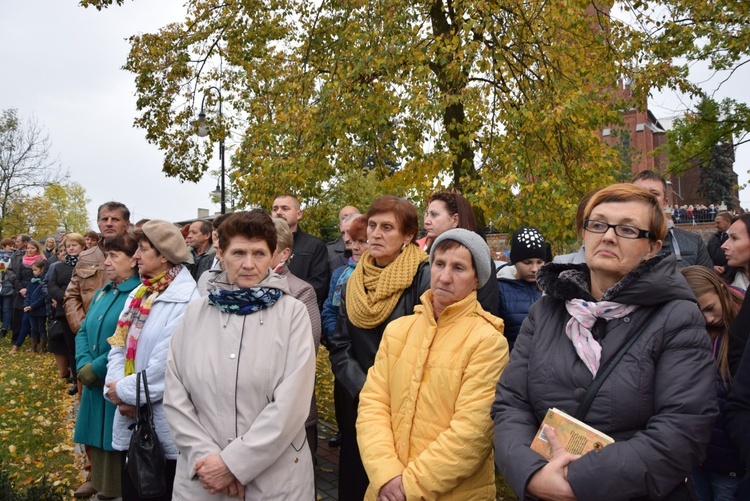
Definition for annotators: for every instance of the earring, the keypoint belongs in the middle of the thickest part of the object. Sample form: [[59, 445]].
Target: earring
[[403, 246]]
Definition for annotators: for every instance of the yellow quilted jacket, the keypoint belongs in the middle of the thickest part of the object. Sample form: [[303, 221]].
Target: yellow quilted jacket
[[424, 412]]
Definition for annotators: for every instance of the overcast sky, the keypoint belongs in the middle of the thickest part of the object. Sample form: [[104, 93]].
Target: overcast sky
[[61, 64]]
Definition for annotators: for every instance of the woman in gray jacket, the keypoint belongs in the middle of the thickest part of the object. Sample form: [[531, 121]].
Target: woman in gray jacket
[[658, 403]]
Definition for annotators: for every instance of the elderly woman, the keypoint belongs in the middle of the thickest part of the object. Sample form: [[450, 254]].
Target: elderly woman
[[151, 314], [301, 290], [658, 402], [424, 426], [95, 414], [240, 377], [386, 284], [64, 347], [355, 232]]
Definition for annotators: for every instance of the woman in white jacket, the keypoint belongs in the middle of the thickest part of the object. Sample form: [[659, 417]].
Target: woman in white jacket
[[141, 342], [240, 377]]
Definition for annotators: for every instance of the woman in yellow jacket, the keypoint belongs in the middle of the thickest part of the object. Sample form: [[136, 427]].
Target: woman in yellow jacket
[[424, 429]]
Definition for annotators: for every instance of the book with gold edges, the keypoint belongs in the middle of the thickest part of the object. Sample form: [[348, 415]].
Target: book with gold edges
[[574, 435]]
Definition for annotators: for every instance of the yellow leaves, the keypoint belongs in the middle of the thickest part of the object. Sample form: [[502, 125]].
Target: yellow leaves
[[37, 426]]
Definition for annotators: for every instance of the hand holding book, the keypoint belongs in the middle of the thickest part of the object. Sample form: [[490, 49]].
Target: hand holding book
[[551, 482]]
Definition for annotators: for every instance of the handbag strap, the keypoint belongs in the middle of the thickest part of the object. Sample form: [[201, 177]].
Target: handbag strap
[[605, 371], [140, 413], [137, 398]]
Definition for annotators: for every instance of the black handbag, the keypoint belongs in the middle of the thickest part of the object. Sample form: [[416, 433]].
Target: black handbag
[[55, 328], [145, 460]]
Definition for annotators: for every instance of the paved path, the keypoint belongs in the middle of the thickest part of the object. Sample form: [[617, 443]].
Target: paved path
[[327, 469]]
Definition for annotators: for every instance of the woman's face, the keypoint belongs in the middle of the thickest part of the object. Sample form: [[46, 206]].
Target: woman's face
[[118, 266], [452, 276], [437, 219], [246, 261], [150, 263], [31, 250], [50, 243], [73, 248], [89, 242], [710, 306], [737, 246], [359, 246], [527, 269], [609, 256], [385, 238]]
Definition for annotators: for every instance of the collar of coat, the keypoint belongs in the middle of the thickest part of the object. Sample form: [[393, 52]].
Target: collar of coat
[[468, 306], [656, 281]]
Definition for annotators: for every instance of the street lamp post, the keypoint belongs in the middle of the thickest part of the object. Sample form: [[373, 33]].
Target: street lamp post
[[203, 132]]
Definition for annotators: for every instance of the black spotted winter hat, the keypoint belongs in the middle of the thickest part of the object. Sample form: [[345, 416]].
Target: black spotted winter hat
[[527, 243]]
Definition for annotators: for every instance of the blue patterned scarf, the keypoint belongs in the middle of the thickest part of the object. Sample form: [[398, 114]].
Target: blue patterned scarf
[[350, 265], [244, 301]]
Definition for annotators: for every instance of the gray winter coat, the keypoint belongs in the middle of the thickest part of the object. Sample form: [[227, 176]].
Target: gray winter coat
[[659, 403]]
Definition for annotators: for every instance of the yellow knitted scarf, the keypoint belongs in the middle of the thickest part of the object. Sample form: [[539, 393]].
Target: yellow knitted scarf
[[372, 292]]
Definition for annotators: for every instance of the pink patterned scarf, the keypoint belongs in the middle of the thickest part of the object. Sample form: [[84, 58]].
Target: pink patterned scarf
[[578, 329]]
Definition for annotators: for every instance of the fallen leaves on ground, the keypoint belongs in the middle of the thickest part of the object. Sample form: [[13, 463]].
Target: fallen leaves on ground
[[36, 421]]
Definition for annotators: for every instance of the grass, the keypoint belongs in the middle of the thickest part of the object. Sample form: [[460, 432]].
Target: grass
[[36, 428], [324, 396]]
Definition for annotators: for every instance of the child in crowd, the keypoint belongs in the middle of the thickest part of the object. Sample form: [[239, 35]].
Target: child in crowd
[[517, 282], [34, 309]]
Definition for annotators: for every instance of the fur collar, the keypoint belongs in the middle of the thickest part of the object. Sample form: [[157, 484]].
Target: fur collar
[[571, 281]]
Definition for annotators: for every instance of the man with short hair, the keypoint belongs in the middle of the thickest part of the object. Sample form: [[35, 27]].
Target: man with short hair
[[309, 259], [200, 240], [687, 247], [723, 221], [113, 218], [338, 253]]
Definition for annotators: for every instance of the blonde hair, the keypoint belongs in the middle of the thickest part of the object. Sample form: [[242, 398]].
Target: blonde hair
[[702, 281]]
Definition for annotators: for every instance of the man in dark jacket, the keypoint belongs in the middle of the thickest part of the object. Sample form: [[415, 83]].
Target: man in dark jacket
[[723, 221], [687, 247], [309, 259], [200, 241], [13, 268]]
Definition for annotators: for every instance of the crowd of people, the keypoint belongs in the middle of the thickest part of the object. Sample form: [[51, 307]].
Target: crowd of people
[[697, 214], [445, 361]]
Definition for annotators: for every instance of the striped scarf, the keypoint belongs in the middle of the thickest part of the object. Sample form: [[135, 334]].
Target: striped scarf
[[130, 323]]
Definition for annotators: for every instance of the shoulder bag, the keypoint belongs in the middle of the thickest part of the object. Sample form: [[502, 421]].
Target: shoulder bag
[[145, 460]]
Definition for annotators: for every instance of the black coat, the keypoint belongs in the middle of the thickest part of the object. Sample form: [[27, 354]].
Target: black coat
[[659, 403], [352, 349], [309, 262], [58, 283], [715, 250], [737, 409]]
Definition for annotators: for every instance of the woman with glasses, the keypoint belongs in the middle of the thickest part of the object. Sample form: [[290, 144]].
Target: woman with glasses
[[658, 402]]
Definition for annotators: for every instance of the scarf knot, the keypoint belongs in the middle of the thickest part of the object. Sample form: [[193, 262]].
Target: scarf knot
[[244, 301], [584, 315], [130, 323]]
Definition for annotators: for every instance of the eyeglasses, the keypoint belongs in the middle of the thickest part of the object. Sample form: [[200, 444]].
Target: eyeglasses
[[621, 230]]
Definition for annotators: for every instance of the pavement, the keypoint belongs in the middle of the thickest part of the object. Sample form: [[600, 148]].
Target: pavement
[[327, 469]]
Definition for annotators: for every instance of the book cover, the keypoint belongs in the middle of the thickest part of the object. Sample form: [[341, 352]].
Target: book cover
[[575, 436]]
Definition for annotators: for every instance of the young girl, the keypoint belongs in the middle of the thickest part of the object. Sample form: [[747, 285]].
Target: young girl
[[517, 284], [34, 309], [723, 469]]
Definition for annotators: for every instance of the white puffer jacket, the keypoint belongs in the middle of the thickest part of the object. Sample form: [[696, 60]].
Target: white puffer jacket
[[151, 355]]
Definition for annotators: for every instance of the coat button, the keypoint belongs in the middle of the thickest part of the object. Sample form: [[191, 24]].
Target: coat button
[[296, 460], [232, 356], [93, 348], [626, 319]]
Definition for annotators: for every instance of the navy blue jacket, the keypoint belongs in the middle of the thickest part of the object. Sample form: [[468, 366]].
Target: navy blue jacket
[[35, 298], [516, 297]]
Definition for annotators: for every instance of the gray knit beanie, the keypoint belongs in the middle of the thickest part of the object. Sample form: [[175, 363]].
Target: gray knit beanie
[[478, 248]]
